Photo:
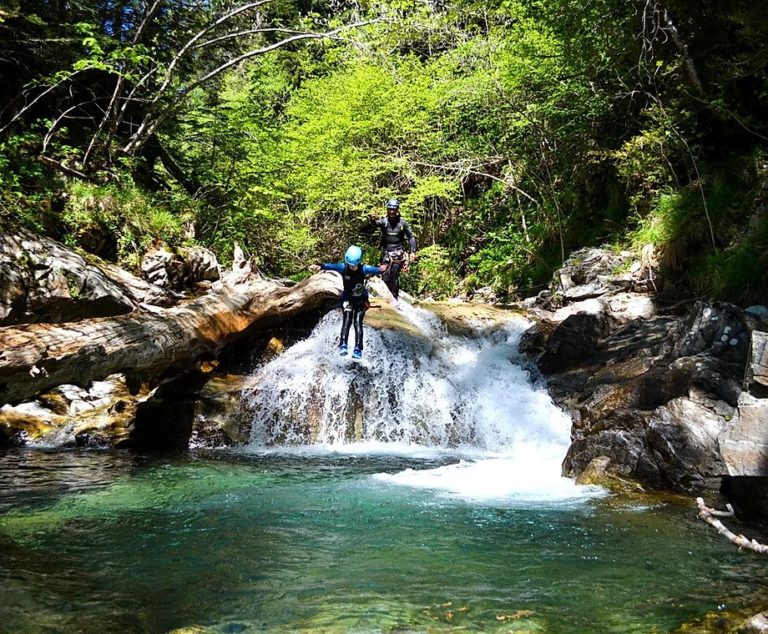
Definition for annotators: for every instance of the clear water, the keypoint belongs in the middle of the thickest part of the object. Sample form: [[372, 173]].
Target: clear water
[[419, 490], [112, 542]]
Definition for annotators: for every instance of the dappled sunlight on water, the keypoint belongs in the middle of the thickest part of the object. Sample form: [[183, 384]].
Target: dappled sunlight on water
[[289, 543]]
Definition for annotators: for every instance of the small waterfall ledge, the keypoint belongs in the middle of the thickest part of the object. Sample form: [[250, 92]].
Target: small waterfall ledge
[[457, 389]]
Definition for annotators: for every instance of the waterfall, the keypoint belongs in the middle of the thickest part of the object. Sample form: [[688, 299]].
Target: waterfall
[[421, 392]]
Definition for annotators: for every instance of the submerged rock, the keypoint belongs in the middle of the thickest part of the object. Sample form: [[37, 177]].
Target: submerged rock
[[464, 318]]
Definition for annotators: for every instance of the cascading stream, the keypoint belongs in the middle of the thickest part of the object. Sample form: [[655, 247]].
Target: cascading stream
[[420, 391]]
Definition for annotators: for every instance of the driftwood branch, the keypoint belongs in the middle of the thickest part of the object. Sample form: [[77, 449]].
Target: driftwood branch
[[710, 517], [37, 357]]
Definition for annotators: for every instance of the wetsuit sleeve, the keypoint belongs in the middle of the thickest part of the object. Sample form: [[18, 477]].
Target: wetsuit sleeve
[[409, 234], [370, 225], [338, 267], [371, 270]]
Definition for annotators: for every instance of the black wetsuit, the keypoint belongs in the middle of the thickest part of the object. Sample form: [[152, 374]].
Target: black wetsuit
[[354, 299], [395, 236]]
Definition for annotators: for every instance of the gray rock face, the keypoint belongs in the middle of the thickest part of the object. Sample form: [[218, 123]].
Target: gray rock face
[[160, 267], [657, 397], [187, 267], [744, 441], [756, 379], [42, 280]]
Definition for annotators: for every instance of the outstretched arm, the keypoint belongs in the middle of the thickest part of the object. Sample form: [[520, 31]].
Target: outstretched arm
[[326, 266], [372, 223]]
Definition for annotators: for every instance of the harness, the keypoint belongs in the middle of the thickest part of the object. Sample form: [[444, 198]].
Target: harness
[[396, 256], [392, 237]]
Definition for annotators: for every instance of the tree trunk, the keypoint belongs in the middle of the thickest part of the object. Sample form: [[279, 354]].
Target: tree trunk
[[37, 357]]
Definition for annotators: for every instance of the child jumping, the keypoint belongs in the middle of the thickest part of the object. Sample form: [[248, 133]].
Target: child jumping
[[354, 297]]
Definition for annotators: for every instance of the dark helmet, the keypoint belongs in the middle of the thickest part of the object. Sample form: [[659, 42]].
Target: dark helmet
[[393, 207]]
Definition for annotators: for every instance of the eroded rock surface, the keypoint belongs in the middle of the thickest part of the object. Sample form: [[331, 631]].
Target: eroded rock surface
[[656, 393], [42, 280]]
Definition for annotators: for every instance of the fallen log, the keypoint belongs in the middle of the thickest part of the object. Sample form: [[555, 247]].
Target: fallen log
[[37, 357], [710, 517]]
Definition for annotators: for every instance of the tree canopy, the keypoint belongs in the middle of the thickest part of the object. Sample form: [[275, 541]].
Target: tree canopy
[[512, 131]]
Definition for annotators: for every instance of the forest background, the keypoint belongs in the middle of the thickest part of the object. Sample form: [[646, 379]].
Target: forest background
[[512, 132]]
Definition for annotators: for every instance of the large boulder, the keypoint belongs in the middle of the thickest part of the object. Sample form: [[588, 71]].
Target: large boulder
[[42, 280], [655, 394], [657, 415], [176, 270]]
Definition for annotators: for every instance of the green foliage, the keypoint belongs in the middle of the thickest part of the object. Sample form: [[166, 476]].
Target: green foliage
[[512, 132], [736, 274], [98, 214], [732, 268], [644, 165], [434, 273], [504, 262], [23, 195]]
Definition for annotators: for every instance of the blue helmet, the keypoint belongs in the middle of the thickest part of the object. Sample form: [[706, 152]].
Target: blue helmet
[[354, 255], [393, 203]]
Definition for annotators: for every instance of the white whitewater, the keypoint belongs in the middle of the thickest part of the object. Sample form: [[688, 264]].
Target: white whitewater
[[466, 400]]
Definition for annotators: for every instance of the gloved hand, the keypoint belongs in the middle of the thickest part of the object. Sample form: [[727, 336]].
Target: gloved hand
[[314, 267]]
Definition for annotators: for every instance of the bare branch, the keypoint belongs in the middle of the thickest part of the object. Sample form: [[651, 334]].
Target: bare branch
[[36, 99], [682, 48], [229, 36], [191, 42], [59, 165], [54, 125], [710, 517], [467, 170], [119, 84], [150, 124]]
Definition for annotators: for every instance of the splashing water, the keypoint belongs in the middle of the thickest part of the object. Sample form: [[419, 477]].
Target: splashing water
[[421, 392]]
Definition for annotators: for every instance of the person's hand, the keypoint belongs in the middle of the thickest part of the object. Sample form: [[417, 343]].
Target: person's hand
[[412, 257], [314, 267], [383, 267], [372, 219]]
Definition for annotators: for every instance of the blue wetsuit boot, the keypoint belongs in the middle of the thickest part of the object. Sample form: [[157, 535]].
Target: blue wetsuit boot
[[343, 350], [357, 353]]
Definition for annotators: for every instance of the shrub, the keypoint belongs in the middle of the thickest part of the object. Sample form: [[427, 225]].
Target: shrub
[[435, 273], [120, 221]]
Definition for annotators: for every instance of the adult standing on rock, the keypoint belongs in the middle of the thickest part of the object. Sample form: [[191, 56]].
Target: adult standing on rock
[[396, 237]]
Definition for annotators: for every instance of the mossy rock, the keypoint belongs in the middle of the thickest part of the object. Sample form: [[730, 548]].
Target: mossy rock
[[463, 318]]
